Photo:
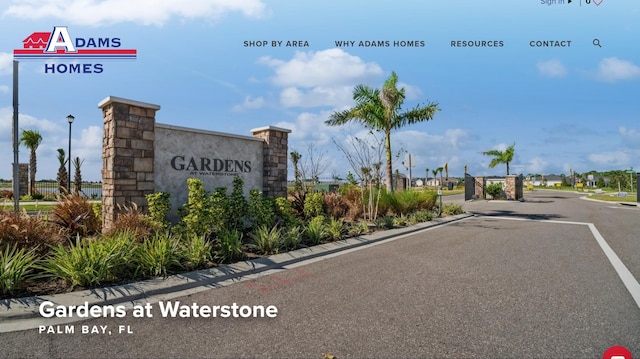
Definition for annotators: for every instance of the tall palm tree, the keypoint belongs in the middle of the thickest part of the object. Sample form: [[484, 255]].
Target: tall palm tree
[[380, 110], [505, 156], [31, 139], [439, 169]]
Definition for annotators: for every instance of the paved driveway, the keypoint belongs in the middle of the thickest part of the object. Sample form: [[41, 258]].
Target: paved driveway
[[502, 284]]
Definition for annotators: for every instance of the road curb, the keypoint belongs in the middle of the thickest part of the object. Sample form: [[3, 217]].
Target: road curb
[[22, 313]]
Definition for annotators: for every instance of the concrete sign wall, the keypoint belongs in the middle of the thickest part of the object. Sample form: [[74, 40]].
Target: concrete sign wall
[[216, 158], [140, 157]]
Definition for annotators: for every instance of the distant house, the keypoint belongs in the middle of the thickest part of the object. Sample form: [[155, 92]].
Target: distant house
[[37, 40], [546, 181]]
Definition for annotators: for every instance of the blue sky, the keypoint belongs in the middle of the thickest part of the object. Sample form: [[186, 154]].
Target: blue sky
[[573, 107]]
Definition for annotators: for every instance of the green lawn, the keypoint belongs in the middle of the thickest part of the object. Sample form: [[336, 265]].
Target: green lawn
[[42, 206], [630, 198]]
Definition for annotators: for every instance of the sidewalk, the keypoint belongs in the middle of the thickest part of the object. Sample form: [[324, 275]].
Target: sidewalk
[[22, 313]]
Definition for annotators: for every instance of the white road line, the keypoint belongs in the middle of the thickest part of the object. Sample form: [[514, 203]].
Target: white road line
[[629, 281], [627, 278]]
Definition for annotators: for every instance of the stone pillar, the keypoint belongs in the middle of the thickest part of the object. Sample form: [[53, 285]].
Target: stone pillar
[[510, 187], [127, 155], [275, 154], [23, 179], [479, 187]]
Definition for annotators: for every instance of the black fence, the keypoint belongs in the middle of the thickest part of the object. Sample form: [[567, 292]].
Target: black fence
[[91, 190]]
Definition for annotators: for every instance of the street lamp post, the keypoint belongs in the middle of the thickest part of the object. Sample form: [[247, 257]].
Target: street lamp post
[[70, 119]]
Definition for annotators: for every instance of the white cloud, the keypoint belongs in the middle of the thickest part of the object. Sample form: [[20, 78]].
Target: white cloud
[[310, 127], [536, 165], [249, 103], [321, 68], [411, 92], [146, 12], [317, 96], [552, 68], [4, 89], [319, 78], [612, 159], [629, 132], [612, 69], [6, 63]]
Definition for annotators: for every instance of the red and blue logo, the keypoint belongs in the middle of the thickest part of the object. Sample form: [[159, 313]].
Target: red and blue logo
[[58, 44]]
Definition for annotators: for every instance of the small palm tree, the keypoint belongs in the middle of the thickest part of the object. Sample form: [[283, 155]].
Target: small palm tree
[[31, 139], [77, 177], [62, 171], [505, 156], [295, 160], [435, 173]]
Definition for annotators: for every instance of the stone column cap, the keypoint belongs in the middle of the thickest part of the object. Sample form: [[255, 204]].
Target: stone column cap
[[112, 99], [270, 128]]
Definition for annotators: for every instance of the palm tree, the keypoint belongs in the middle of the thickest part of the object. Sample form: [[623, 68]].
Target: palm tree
[[31, 139], [62, 171], [295, 160], [380, 110], [435, 173], [505, 156], [439, 169], [77, 178]]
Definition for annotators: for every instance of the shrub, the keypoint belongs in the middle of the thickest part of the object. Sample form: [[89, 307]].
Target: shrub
[[198, 216], [422, 216], [220, 213], [159, 207], [451, 209], [406, 202], [285, 210], [400, 221], [261, 209], [158, 255], [230, 245], [334, 205], [89, 262], [385, 222], [358, 228], [495, 190], [316, 230], [75, 215], [26, 231], [132, 220], [336, 229], [195, 252], [15, 264], [237, 209], [292, 237], [352, 197], [313, 205], [266, 240], [6, 194]]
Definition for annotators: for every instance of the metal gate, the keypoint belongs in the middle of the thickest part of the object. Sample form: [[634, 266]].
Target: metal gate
[[519, 187], [469, 187]]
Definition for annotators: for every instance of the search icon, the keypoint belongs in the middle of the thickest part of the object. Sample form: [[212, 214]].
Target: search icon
[[596, 42]]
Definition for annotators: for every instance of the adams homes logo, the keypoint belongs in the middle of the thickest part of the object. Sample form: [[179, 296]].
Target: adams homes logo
[[59, 45]]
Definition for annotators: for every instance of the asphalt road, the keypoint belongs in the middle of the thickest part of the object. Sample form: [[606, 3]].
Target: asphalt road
[[503, 284]]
